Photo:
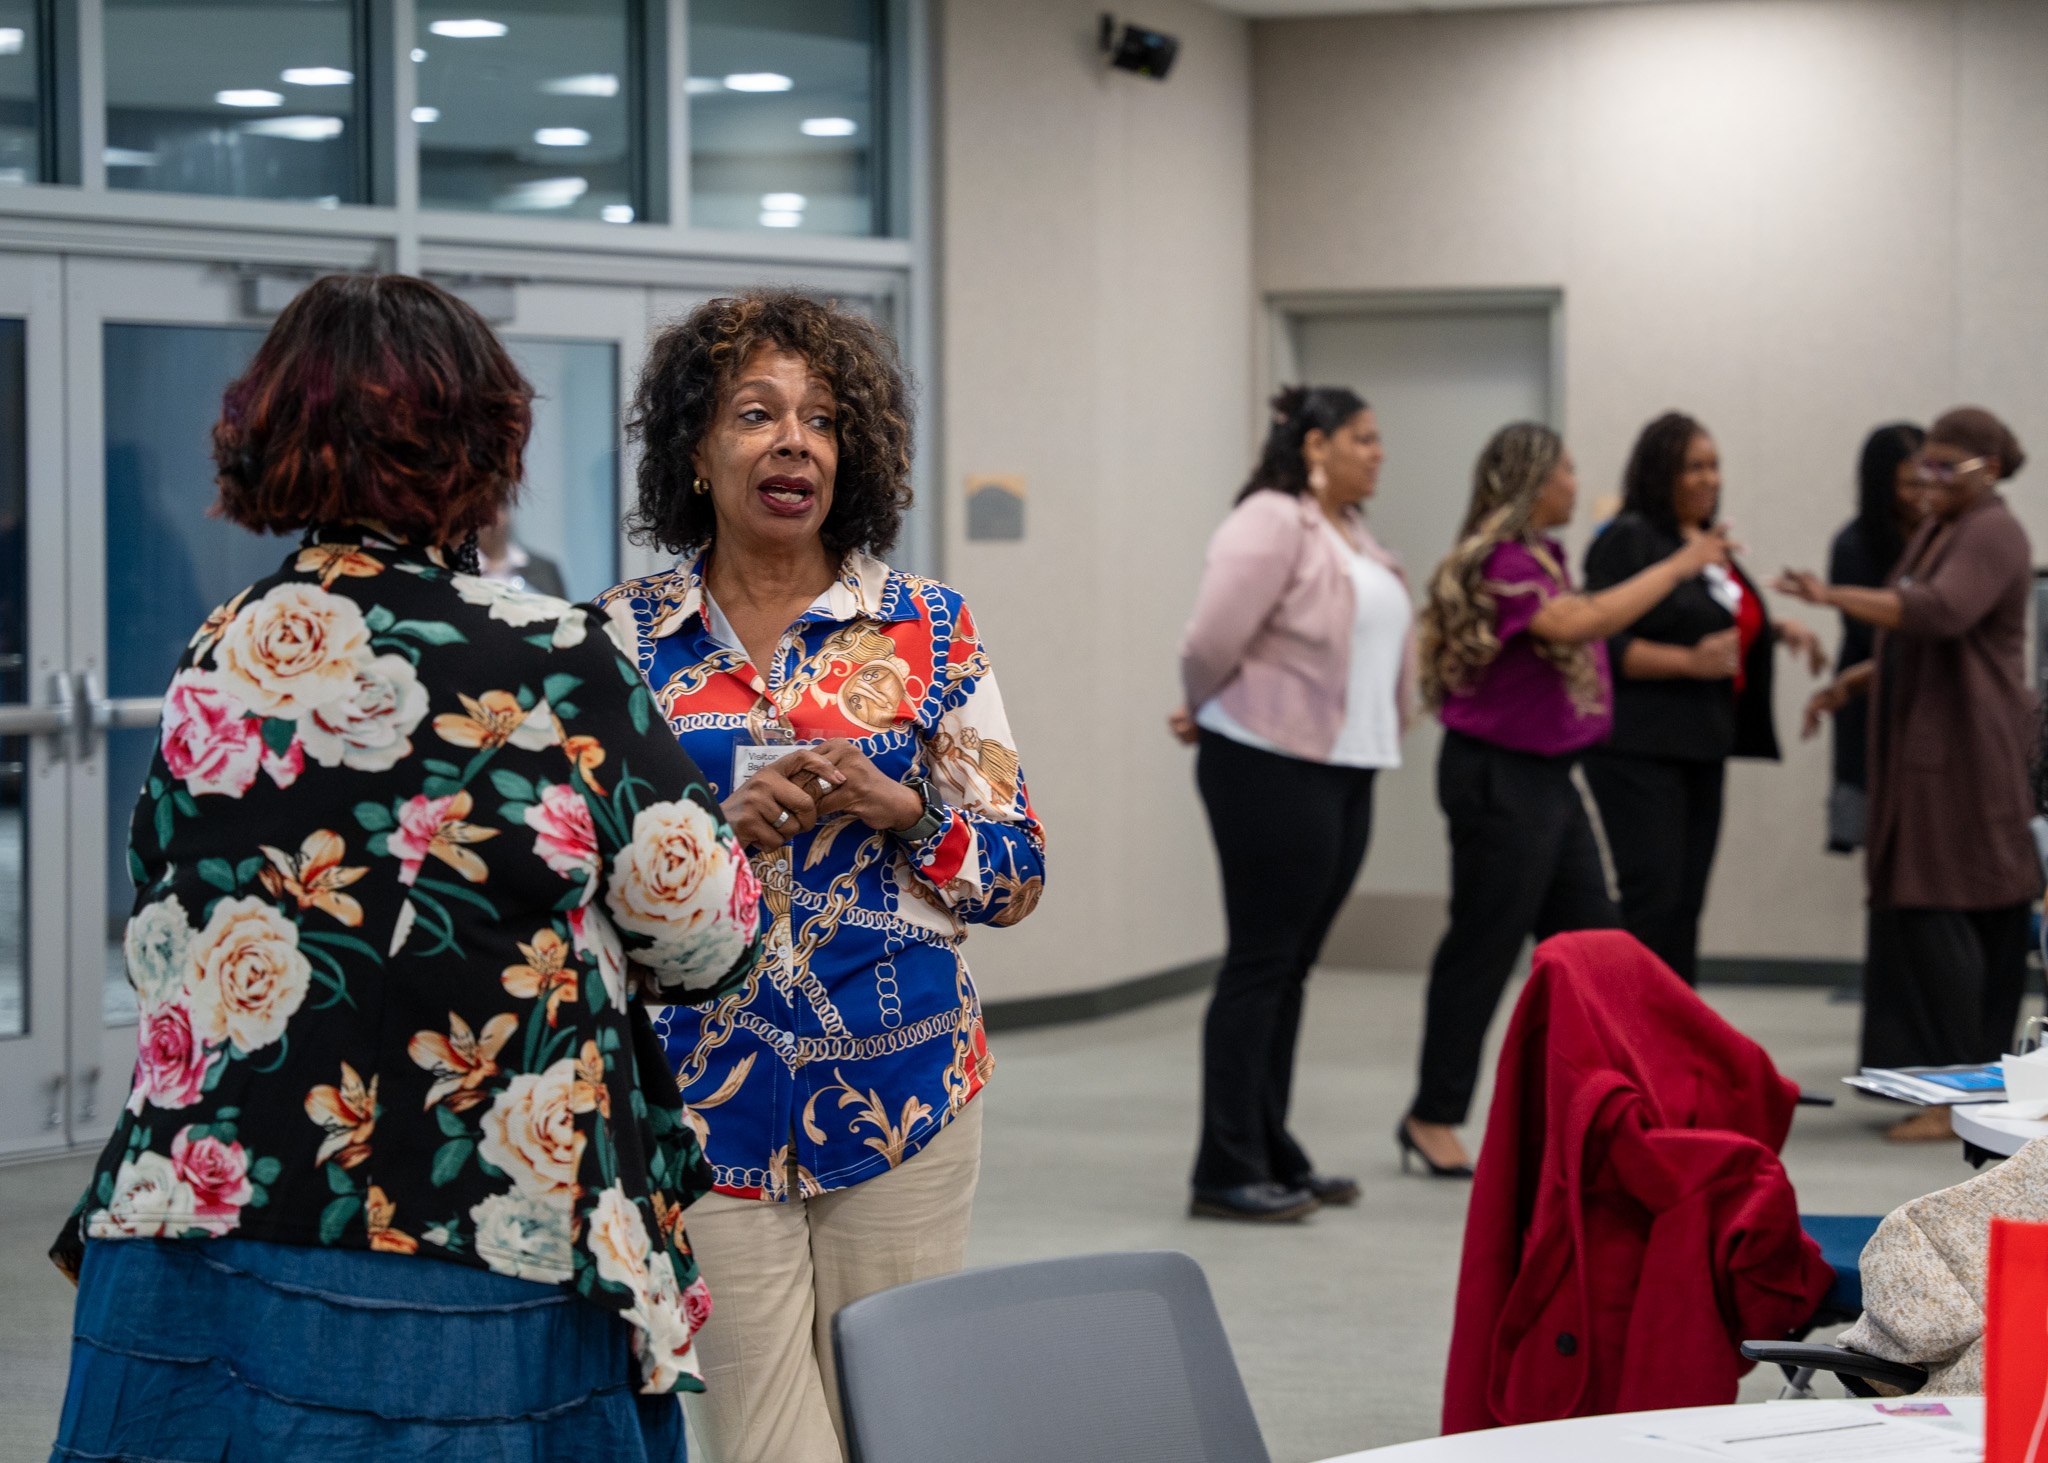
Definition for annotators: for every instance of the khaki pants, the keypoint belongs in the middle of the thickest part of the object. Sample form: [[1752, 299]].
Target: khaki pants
[[779, 1272]]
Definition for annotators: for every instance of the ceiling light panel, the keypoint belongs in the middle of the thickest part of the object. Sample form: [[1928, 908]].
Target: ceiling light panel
[[594, 84], [316, 76], [469, 30], [249, 97], [758, 81], [294, 129]]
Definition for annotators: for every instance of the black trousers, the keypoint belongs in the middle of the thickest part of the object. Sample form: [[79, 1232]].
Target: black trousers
[[1942, 986], [1524, 861], [1663, 821], [1290, 836]]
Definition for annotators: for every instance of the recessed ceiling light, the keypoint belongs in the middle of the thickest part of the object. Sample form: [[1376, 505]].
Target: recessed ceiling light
[[561, 137], [418, 55], [595, 84], [12, 39], [469, 30], [545, 193], [783, 202], [317, 76], [249, 97], [775, 218], [758, 81], [702, 86], [294, 129], [828, 126], [128, 157], [616, 213], [426, 114]]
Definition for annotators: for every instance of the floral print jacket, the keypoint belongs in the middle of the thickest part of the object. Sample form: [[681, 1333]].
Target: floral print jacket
[[858, 1037], [413, 845]]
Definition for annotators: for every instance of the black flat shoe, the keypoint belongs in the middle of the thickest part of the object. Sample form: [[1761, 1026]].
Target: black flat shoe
[[1262, 1203], [1331, 1188], [1409, 1147]]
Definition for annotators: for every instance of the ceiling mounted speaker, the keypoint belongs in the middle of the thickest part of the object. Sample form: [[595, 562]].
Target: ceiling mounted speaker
[[1134, 48]]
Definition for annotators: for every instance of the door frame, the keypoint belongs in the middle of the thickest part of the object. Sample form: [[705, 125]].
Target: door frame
[[34, 1073], [1286, 309], [617, 314], [99, 292]]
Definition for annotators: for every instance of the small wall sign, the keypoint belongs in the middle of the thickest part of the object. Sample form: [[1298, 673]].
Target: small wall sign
[[995, 508]]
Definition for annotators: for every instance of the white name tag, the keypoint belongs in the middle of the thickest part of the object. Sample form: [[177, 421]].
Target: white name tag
[[749, 758]]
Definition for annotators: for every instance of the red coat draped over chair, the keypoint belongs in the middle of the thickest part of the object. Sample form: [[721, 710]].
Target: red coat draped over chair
[[1630, 1223]]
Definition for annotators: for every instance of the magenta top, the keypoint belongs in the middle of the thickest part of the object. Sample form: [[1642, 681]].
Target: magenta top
[[1519, 700]]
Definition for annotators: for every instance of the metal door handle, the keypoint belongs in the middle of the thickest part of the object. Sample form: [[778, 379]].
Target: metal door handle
[[94, 715], [55, 1117], [53, 719], [76, 715]]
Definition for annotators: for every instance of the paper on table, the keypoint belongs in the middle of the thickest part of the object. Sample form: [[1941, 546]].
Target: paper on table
[[1815, 1432]]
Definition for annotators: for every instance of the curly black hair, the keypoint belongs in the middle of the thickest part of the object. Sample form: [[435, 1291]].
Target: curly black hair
[[693, 361], [1654, 468]]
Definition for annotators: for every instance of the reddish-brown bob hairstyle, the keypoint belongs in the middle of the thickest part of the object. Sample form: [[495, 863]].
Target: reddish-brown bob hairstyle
[[373, 397]]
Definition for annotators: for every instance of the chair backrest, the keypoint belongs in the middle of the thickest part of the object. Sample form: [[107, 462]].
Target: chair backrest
[[1116, 1358]]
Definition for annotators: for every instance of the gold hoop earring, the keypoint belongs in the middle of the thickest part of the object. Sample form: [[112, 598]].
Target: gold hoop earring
[[699, 485]]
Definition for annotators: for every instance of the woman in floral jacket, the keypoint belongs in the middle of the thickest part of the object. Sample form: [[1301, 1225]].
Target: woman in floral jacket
[[848, 716], [413, 845]]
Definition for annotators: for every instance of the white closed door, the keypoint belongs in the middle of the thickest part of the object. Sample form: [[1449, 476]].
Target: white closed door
[[1441, 379]]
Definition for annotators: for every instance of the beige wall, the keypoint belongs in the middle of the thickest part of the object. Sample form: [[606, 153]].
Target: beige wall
[[1794, 219], [1096, 314]]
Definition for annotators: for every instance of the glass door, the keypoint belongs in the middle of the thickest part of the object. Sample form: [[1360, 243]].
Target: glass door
[[37, 706], [151, 346], [580, 346]]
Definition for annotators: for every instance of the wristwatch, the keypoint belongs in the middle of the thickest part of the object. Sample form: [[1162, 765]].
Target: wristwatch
[[934, 812]]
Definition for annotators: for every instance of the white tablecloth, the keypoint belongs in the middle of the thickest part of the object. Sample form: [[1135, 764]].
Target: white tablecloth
[[1615, 1438]]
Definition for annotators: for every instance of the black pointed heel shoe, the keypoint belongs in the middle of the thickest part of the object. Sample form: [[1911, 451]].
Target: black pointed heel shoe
[[1410, 1148]]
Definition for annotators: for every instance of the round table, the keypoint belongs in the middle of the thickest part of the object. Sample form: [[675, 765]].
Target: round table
[[1616, 1438], [1986, 1125]]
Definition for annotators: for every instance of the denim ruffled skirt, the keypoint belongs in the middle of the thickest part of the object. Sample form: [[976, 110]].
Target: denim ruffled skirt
[[220, 1351]]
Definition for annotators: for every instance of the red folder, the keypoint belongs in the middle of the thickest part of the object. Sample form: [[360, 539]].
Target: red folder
[[2016, 1344]]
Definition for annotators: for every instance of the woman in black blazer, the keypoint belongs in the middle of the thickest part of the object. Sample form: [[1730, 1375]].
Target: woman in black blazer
[[1692, 688]]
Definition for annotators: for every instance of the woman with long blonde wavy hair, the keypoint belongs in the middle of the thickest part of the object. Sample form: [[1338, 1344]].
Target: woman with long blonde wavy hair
[[1513, 664]]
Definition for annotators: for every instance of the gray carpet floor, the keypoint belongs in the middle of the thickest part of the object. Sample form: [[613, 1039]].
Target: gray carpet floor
[[1340, 1324]]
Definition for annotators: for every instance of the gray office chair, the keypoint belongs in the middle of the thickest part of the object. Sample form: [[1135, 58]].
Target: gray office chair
[[1116, 1358]]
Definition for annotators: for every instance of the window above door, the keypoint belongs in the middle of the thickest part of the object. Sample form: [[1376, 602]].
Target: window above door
[[768, 117]]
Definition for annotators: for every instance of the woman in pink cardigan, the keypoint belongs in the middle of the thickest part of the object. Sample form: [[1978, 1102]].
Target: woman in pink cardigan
[[1299, 667]]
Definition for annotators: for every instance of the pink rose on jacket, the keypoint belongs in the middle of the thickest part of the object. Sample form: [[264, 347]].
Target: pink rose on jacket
[[566, 839], [217, 1173], [170, 1065], [744, 907], [208, 743], [697, 1304]]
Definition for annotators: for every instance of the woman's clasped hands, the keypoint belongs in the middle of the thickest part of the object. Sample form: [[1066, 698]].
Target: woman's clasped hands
[[790, 796]]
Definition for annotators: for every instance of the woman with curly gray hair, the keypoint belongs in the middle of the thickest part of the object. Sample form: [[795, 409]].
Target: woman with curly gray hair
[[1513, 664], [847, 718]]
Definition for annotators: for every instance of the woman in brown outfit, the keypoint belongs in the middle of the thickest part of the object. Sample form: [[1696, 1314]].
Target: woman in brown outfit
[[1951, 865]]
